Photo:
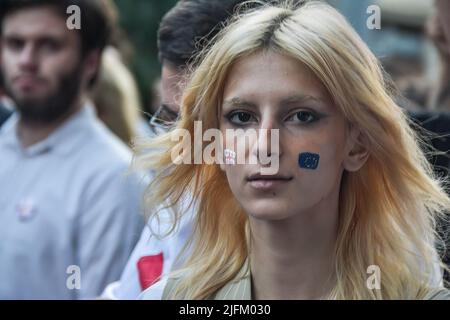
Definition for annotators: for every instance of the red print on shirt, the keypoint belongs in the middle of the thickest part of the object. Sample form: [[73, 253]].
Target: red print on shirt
[[150, 269]]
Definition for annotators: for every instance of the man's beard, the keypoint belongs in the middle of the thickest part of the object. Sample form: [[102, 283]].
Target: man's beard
[[55, 105]]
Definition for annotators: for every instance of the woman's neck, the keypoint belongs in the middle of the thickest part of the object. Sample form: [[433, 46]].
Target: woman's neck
[[293, 259]]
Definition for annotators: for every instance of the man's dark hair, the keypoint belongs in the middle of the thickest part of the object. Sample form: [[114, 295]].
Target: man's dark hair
[[96, 18], [189, 22]]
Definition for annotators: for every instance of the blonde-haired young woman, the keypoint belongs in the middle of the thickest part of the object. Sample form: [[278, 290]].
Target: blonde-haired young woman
[[362, 205]]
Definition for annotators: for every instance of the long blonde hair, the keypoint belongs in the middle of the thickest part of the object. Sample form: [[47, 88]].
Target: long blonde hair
[[387, 209], [116, 97]]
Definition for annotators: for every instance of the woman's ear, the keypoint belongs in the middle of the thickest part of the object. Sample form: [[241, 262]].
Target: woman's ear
[[356, 151]]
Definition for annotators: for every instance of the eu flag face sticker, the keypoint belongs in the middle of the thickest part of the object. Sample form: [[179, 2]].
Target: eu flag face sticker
[[308, 161]]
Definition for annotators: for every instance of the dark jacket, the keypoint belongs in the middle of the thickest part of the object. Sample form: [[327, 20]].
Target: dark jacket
[[4, 114], [438, 125]]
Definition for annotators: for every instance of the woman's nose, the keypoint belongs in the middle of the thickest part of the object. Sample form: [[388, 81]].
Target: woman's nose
[[267, 145]]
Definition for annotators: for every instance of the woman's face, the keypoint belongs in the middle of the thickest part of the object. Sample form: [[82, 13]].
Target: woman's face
[[271, 91]]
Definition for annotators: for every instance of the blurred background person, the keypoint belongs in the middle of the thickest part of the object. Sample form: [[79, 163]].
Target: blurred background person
[[439, 31], [69, 214], [400, 42], [116, 98], [183, 31], [115, 94]]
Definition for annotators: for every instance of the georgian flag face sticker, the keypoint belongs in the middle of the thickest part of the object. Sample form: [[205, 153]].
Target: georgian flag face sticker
[[150, 269], [230, 157]]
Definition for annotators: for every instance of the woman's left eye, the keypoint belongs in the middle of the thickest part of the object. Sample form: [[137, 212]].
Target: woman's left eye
[[240, 118], [303, 117]]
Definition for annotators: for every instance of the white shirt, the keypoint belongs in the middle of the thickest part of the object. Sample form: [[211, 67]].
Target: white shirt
[[66, 201], [170, 248]]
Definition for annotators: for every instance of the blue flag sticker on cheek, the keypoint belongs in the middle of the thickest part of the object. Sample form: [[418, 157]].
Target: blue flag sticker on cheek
[[308, 160]]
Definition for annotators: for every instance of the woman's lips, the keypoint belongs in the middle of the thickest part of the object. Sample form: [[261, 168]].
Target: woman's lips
[[268, 184]]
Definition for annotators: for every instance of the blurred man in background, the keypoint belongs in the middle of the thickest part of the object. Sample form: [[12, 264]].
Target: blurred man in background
[[69, 215]]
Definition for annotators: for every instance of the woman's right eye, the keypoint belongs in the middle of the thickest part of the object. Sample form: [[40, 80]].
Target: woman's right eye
[[240, 117]]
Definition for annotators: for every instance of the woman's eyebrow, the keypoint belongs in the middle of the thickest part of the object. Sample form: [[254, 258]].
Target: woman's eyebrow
[[238, 102], [301, 98]]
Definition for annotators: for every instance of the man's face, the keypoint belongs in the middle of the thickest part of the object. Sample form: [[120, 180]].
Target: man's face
[[41, 62], [172, 86]]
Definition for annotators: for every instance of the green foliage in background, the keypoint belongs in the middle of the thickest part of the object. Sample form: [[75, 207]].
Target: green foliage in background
[[140, 20]]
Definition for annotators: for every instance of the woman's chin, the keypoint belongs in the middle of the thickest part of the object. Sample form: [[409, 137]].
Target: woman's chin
[[268, 209]]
